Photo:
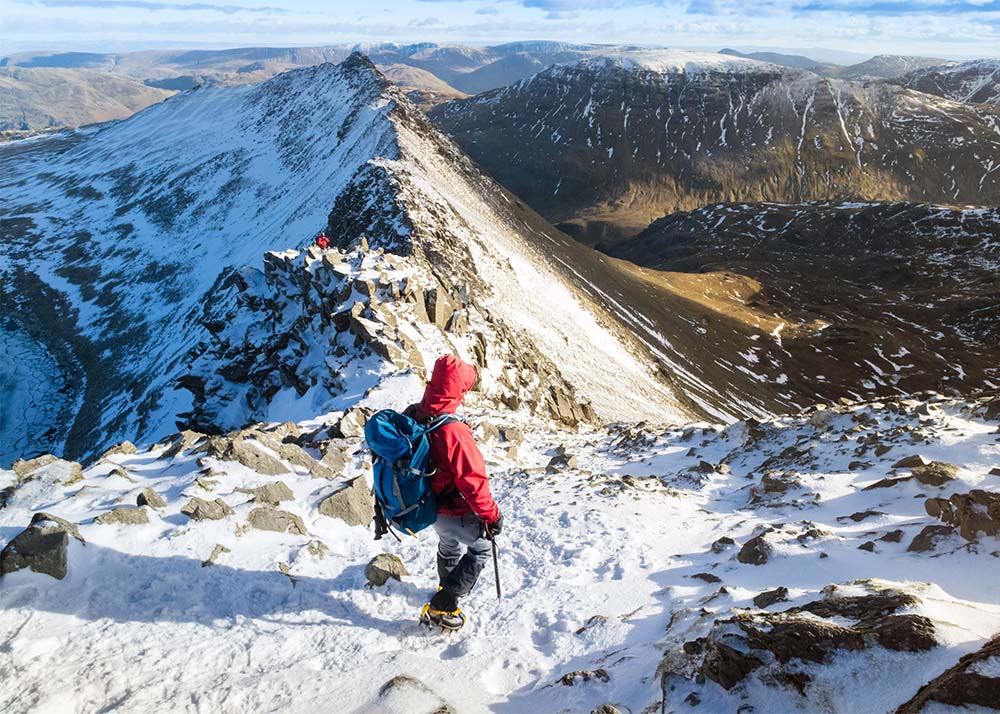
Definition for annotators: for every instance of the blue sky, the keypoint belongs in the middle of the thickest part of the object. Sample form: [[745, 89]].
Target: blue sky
[[943, 28]]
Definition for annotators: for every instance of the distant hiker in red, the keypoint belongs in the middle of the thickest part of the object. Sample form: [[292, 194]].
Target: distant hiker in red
[[322, 241], [468, 517]]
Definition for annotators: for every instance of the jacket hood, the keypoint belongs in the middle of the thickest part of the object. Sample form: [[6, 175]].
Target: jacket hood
[[450, 380]]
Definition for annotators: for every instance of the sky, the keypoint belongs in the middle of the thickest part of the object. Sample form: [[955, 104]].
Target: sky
[[940, 28]]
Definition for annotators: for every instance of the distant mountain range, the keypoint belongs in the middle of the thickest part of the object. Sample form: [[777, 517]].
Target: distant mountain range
[[606, 145]]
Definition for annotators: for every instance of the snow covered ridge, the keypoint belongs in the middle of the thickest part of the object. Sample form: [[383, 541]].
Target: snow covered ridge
[[125, 240], [797, 564], [670, 61], [975, 82]]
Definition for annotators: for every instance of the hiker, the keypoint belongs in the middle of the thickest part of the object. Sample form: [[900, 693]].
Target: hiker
[[322, 241], [467, 516]]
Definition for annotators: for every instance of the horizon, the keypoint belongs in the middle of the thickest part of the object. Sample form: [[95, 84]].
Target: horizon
[[926, 28]]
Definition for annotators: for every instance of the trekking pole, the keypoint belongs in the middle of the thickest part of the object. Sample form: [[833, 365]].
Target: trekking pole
[[496, 569]]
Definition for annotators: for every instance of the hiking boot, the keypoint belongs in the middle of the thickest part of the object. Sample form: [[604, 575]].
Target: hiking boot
[[443, 611]]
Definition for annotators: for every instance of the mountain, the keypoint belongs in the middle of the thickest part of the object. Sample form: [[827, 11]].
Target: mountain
[[975, 82], [793, 61], [44, 97], [881, 294], [130, 247], [888, 67], [604, 146]]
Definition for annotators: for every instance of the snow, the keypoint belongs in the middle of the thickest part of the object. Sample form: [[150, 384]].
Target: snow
[[674, 61], [595, 564]]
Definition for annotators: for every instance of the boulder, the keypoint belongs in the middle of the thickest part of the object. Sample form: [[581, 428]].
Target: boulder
[[995, 471], [488, 431], [406, 695], [198, 509], [124, 516], [570, 679], [823, 419], [895, 536], [50, 468], [936, 473], [247, 453], [383, 567], [351, 424], [512, 434], [270, 493], [352, 504], [42, 547], [267, 518], [126, 448], [973, 512], [23, 467], [183, 441], [910, 462], [755, 551], [439, 306], [722, 544], [769, 597], [868, 545], [218, 550], [149, 497], [928, 538]]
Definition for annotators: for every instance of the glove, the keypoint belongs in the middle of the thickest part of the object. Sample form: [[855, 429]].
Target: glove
[[492, 530]]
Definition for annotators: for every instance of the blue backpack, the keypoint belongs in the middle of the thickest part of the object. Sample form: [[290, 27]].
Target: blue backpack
[[401, 464]]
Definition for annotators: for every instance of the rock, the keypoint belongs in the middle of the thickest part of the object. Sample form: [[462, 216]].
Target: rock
[[722, 544], [42, 547], [124, 516], [882, 449], [769, 597], [910, 462], [270, 494], [515, 435], [383, 567], [965, 685], [267, 518], [439, 306], [606, 709], [333, 458], [973, 512], [317, 548], [895, 536], [995, 472], [755, 551], [707, 577], [126, 448], [205, 483], [928, 538], [858, 466], [50, 468], [868, 545], [488, 431], [352, 504], [859, 516], [561, 460], [887, 482], [183, 441], [198, 509], [405, 695], [823, 419], [936, 473], [705, 467], [351, 424], [23, 467], [247, 453], [584, 675], [149, 497], [295, 455], [727, 666], [218, 550]]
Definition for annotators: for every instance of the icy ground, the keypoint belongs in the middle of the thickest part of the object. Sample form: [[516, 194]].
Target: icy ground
[[596, 564]]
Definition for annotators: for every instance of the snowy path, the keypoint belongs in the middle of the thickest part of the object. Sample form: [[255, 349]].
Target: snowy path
[[596, 563]]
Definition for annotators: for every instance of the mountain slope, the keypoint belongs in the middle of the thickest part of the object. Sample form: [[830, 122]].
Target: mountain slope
[[976, 82], [605, 146], [136, 234], [888, 67], [44, 97], [876, 296]]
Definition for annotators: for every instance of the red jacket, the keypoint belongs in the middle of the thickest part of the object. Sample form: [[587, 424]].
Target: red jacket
[[460, 482]]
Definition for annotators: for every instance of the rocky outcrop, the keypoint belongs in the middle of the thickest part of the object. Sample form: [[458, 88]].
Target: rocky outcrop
[[352, 504], [244, 451], [973, 682], [382, 568], [149, 497], [774, 645], [973, 513], [936, 473], [928, 538], [126, 448], [358, 304], [270, 494], [50, 468], [42, 547]]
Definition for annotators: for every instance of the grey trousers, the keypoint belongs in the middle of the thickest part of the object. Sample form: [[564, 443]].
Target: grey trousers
[[458, 571]]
